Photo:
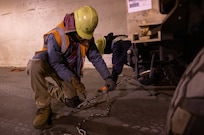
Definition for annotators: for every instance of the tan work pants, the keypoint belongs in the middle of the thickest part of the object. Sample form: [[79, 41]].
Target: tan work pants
[[38, 70]]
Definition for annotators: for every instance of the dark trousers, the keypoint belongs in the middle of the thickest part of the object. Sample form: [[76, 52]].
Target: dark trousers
[[119, 57]]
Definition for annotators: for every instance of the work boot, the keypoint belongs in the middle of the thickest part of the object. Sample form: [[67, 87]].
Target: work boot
[[42, 117]]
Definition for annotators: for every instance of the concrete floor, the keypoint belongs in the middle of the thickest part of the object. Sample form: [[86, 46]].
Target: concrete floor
[[134, 111]]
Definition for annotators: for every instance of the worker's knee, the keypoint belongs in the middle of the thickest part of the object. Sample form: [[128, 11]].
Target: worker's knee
[[35, 66]]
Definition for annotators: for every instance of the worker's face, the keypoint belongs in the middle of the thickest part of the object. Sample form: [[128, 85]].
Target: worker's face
[[83, 41]]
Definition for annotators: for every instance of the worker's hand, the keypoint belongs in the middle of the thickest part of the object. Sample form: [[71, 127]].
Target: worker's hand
[[78, 85], [110, 84]]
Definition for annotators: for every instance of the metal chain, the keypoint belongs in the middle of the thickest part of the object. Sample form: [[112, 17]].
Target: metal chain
[[79, 128], [90, 103], [87, 104]]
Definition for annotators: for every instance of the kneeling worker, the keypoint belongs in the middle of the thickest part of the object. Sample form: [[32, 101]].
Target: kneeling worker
[[62, 58]]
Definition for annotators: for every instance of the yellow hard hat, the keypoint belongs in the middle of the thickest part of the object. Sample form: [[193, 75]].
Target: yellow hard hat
[[101, 44], [86, 20]]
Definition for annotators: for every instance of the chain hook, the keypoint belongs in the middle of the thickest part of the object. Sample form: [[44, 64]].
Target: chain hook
[[81, 131]]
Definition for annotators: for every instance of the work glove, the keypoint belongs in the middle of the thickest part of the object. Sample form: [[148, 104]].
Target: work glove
[[78, 86], [110, 84], [73, 102]]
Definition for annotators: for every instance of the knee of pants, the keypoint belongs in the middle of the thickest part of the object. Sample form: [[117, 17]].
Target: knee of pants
[[35, 66]]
